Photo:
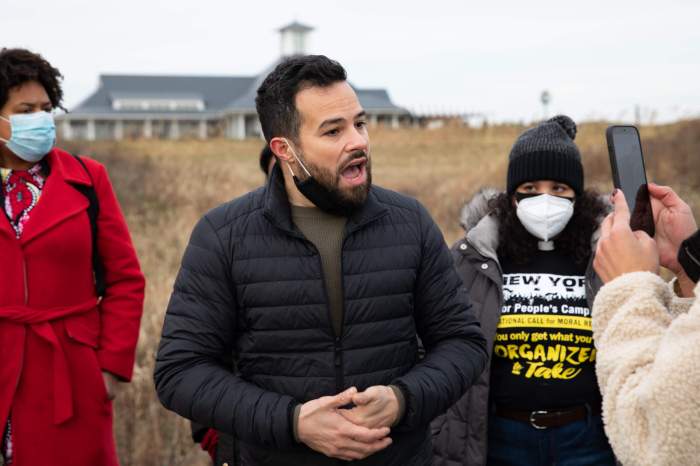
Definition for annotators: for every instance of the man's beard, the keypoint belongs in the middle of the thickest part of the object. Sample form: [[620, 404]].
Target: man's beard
[[345, 200]]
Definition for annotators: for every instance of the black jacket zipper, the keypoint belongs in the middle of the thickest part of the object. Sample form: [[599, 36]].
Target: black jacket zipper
[[337, 339]]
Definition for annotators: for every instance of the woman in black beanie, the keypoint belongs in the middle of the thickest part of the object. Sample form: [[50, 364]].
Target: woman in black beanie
[[526, 261]]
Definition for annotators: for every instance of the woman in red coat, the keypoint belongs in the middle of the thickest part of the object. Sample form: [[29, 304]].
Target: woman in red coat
[[68, 321]]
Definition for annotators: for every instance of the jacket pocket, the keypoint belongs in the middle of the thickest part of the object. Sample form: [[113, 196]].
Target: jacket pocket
[[84, 328]]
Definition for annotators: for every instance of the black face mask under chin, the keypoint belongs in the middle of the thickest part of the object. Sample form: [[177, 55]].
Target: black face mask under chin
[[322, 197], [325, 199]]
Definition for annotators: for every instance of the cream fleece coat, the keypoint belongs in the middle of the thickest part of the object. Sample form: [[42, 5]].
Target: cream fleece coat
[[648, 366]]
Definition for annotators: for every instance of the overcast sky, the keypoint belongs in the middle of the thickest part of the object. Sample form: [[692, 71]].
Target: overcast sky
[[598, 59]]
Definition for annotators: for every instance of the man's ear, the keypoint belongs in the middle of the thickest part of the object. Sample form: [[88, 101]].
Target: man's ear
[[280, 147]]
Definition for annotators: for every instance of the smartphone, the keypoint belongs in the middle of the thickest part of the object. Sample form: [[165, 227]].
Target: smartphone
[[629, 175]]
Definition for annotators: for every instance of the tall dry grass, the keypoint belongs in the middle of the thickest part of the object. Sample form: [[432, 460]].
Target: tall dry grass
[[164, 187]]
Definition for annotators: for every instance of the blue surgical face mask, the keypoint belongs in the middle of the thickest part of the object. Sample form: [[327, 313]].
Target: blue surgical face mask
[[33, 135]]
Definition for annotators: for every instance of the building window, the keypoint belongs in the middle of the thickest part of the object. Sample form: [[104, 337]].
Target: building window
[[160, 129], [104, 130], [215, 128], [133, 129], [252, 127], [79, 129], [158, 105], [189, 129]]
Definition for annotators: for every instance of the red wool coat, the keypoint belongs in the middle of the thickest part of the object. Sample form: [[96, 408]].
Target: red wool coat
[[55, 337]]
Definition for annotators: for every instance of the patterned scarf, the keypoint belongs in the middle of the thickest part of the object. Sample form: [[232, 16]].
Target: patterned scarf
[[6, 444]]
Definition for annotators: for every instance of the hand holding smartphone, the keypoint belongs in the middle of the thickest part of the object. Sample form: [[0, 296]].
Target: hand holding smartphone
[[629, 175]]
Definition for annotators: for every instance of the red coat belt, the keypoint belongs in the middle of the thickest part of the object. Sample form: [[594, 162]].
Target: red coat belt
[[38, 321]]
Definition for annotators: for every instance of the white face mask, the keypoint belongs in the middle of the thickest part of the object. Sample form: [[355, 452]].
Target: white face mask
[[545, 216]]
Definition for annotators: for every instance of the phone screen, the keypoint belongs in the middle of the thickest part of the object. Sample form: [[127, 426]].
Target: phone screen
[[630, 176]]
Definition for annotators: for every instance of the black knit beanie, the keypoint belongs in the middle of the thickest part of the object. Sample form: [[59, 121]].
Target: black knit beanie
[[546, 152]]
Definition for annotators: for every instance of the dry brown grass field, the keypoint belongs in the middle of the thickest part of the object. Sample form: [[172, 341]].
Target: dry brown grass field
[[165, 186]]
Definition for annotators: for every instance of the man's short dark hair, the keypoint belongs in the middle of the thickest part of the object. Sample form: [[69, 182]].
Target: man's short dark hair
[[275, 100], [20, 66]]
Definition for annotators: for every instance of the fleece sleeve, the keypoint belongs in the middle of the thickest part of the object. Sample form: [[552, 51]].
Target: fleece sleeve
[[648, 368]]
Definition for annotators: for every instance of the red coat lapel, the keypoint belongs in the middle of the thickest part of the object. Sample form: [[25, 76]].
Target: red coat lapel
[[59, 199]]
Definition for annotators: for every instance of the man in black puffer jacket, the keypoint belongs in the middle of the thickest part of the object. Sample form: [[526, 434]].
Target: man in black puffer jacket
[[319, 283]]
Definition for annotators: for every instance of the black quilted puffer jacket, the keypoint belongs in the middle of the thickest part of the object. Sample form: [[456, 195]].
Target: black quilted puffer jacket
[[251, 283]]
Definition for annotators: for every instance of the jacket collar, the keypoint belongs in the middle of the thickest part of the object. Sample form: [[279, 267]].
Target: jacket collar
[[484, 237], [70, 170], [59, 199], [277, 209], [481, 229]]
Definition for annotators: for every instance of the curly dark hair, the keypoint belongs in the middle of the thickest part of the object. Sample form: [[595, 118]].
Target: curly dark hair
[[515, 243], [265, 158], [275, 98], [20, 66]]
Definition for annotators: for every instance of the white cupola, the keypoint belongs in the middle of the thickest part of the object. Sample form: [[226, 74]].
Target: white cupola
[[293, 39]]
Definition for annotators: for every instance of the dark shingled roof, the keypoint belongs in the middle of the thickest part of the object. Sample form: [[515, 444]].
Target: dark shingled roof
[[220, 94], [377, 99], [216, 92], [296, 26]]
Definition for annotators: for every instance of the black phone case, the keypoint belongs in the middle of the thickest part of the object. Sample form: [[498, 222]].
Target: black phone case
[[647, 226], [611, 155]]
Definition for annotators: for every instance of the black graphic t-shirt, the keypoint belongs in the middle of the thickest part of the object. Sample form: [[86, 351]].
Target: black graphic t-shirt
[[543, 355]]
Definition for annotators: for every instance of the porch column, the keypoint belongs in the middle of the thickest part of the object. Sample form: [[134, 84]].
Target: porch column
[[202, 129], [67, 130], [119, 130], [395, 121], [239, 126], [175, 130], [91, 130], [148, 129]]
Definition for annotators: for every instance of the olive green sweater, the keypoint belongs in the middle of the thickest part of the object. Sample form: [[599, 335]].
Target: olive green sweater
[[326, 232]]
